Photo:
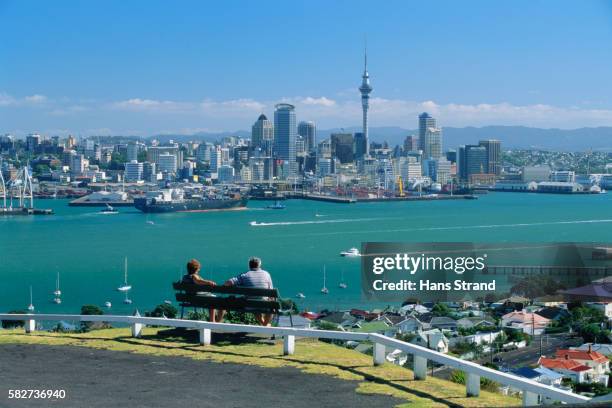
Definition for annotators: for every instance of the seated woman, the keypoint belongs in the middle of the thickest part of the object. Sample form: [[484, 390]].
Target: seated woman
[[193, 276]]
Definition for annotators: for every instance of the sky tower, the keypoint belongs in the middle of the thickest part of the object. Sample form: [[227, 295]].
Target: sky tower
[[365, 90]]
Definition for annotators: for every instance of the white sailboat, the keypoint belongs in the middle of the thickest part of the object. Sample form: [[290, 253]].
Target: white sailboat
[[57, 291], [127, 300], [300, 295], [31, 307], [125, 287], [108, 304], [324, 289], [342, 285]]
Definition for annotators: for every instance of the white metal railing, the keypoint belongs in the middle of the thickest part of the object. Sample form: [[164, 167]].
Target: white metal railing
[[531, 389]]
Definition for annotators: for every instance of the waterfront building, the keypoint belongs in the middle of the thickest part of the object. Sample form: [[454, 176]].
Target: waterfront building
[[258, 170], [471, 159], [365, 89], [563, 176], [535, 173], [285, 134], [262, 132], [77, 163], [133, 171], [433, 143], [167, 163], [493, 148], [148, 172], [225, 174], [324, 167], [443, 171], [245, 174], [425, 122], [342, 147], [154, 152], [308, 130]]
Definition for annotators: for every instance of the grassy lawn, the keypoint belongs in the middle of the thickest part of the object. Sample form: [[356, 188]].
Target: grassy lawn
[[311, 356]]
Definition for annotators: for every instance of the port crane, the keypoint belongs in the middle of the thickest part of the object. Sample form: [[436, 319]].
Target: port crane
[[400, 185]]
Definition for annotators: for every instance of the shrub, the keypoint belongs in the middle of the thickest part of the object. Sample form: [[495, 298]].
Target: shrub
[[458, 376], [11, 324]]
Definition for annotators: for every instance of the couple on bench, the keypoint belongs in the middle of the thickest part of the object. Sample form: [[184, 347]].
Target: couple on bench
[[255, 277]]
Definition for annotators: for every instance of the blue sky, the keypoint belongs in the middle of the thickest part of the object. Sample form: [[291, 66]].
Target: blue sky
[[145, 67]]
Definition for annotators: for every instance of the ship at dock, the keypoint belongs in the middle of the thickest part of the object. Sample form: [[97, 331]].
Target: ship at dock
[[178, 200]]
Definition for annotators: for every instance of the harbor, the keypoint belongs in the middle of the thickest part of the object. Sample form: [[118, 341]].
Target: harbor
[[20, 191]]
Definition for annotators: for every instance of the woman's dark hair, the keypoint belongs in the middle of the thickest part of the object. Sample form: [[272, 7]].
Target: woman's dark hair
[[193, 266], [254, 263]]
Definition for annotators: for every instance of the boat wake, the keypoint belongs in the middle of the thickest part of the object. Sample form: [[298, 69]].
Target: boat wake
[[271, 224]]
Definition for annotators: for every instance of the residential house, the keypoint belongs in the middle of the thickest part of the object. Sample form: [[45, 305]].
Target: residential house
[[433, 339], [605, 349], [571, 369], [593, 359], [530, 323], [444, 323], [474, 322], [411, 325], [553, 313]]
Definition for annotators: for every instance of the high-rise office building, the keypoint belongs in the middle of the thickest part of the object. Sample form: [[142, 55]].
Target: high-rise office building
[[471, 159], [225, 174], [216, 158], [262, 132], [166, 163], [132, 151], [411, 144], [308, 130], [493, 155], [432, 148], [285, 133], [365, 89], [342, 147], [361, 145], [425, 122]]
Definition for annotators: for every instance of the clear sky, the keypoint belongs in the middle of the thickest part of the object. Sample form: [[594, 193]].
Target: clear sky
[[145, 67]]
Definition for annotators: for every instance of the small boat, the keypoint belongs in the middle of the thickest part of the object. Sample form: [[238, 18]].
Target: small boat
[[324, 289], [57, 300], [108, 305], [57, 291], [125, 287], [108, 210], [300, 296], [127, 300], [31, 306], [342, 285], [276, 206], [351, 253], [256, 224], [168, 302], [150, 223]]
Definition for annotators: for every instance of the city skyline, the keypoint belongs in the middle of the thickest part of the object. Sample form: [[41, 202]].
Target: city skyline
[[90, 79]]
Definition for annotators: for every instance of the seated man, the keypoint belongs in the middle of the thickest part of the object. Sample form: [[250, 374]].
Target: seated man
[[254, 278], [193, 276]]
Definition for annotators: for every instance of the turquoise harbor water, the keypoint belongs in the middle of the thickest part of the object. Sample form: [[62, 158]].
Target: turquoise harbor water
[[88, 248]]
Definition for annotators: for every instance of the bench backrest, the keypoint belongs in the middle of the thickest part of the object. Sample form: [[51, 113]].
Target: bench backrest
[[191, 288]]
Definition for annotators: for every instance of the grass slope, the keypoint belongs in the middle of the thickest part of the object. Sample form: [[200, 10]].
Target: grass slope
[[311, 356]]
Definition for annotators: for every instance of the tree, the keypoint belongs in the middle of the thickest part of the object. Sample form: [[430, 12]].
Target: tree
[[90, 310], [440, 309], [164, 309], [289, 304]]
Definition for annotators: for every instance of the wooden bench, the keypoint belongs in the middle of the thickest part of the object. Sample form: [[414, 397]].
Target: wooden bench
[[229, 298]]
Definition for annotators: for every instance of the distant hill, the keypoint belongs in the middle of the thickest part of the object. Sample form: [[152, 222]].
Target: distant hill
[[599, 138]]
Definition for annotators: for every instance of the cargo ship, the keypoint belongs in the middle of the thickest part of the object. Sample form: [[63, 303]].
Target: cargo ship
[[175, 200]]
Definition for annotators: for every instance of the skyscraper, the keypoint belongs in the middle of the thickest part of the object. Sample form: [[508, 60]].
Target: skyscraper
[[285, 133], [360, 145], [262, 132], [471, 159], [365, 90], [342, 147], [432, 147], [425, 122], [308, 130], [493, 155]]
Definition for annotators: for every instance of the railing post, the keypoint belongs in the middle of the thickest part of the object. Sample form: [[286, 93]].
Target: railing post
[[288, 345], [420, 367], [530, 399], [379, 354], [205, 337], [136, 327], [472, 385], [30, 325]]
